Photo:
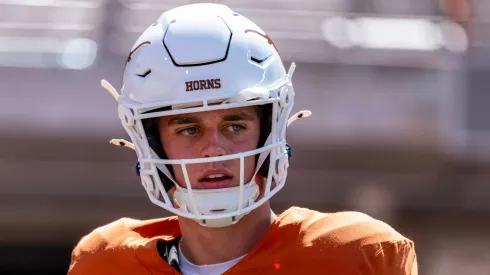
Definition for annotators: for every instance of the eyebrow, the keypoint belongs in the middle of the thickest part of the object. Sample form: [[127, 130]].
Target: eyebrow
[[183, 120], [238, 116], [189, 119]]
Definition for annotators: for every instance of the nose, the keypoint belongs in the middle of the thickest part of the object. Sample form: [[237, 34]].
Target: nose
[[213, 144]]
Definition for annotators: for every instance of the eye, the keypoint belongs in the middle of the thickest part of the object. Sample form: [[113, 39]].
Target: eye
[[235, 128], [191, 131]]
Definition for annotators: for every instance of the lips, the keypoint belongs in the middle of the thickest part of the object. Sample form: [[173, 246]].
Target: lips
[[216, 178]]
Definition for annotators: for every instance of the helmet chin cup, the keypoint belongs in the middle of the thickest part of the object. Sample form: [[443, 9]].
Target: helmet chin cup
[[217, 201]]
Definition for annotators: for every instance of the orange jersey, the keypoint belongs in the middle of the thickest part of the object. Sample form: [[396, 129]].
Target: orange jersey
[[300, 241]]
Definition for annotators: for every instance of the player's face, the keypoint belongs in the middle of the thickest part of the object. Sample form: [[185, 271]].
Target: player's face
[[211, 134]]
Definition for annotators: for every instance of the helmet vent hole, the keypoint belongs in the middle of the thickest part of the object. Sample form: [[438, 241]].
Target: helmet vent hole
[[145, 74], [259, 60], [256, 60]]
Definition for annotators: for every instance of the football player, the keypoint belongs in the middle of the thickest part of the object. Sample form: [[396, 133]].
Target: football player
[[206, 101]]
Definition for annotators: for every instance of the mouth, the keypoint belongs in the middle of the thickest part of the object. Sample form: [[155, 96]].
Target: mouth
[[216, 179]]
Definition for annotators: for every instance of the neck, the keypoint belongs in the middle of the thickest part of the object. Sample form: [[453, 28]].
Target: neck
[[205, 246]]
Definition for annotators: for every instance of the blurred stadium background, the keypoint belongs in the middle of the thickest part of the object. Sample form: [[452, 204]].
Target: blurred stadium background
[[399, 92]]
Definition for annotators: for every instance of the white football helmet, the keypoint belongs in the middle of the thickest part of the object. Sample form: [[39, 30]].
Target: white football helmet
[[197, 58]]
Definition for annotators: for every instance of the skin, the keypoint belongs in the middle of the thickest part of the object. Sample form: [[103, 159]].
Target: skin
[[212, 134]]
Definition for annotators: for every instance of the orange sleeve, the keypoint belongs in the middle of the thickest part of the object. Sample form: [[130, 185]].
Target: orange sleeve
[[379, 248], [125, 246], [80, 264], [390, 257], [107, 250], [105, 263], [85, 254], [93, 255], [373, 246]]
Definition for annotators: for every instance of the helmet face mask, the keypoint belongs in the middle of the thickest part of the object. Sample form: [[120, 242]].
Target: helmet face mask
[[216, 61], [213, 207]]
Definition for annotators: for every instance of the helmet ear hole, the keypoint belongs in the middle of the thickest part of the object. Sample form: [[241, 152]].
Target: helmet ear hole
[[145, 74]]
